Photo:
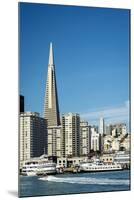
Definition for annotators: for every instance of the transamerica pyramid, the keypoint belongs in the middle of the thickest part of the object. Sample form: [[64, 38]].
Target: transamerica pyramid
[[51, 108]]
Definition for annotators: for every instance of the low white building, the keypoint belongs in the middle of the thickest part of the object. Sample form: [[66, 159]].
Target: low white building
[[122, 157], [69, 162], [107, 158]]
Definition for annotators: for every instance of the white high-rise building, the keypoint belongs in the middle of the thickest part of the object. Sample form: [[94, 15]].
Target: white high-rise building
[[102, 126], [55, 141], [95, 140], [85, 138], [33, 135], [71, 134]]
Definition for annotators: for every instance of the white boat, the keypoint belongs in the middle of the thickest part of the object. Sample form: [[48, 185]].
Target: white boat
[[97, 166], [33, 168]]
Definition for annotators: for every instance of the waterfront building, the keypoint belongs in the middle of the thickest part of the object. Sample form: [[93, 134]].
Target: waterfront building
[[69, 162], [122, 157], [51, 108], [33, 135], [21, 103], [62, 162], [85, 138], [95, 140], [55, 141], [71, 134], [107, 158]]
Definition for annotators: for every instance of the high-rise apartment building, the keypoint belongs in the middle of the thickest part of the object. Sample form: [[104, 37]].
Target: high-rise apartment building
[[85, 138], [55, 141], [95, 140], [71, 134], [51, 108], [33, 135]]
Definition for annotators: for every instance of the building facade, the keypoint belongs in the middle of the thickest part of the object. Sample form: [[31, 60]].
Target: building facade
[[33, 135], [85, 138], [55, 141], [71, 134], [102, 126], [95, 140]]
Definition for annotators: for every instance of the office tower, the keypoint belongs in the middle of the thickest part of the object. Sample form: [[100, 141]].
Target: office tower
[[85, 138], [71, 134], [102, 126], [33, 135], [108, 130], [51, 108], [21, 103], [95, 140], [55, 141], [102, 132]]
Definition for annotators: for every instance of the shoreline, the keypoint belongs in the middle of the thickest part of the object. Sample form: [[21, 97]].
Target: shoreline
[[81, 172]]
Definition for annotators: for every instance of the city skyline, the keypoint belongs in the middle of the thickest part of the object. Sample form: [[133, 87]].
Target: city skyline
[[76, 62]]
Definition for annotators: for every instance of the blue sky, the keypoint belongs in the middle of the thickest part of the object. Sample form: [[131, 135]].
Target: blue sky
[[91, 50]]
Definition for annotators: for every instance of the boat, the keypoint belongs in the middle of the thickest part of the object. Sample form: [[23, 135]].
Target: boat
[[97, 166], [38, 168]]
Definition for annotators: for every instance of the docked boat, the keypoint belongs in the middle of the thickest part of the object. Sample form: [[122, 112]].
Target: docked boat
[[97, 166], [38, 168]]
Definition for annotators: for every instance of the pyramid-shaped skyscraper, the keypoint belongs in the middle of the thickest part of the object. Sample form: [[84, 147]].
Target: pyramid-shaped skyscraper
[[51, 108]]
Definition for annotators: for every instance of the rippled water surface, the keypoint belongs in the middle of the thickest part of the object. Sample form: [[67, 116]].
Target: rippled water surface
[[75, 183]]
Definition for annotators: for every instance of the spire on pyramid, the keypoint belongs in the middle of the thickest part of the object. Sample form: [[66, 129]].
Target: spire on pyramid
[[51, 56]]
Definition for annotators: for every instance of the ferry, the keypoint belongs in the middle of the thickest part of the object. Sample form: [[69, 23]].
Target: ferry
[[99, 166], [38, 168]]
